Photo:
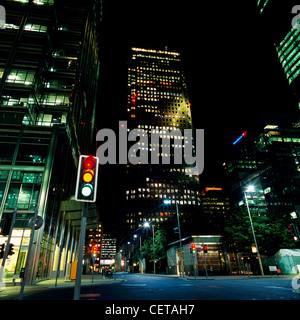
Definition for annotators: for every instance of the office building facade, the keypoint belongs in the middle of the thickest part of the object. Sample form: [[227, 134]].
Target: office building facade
[[267, 158], [158, 103], [49, 69], [215, 209], [280, 19]]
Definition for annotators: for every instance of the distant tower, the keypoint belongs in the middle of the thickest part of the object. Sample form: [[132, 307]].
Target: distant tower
[[158, 100]]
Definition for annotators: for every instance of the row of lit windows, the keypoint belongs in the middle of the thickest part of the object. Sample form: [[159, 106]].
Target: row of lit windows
[[154, 68], [37, 2], [188, 193], [154, 51], [155, 94], [291, 36], [53, 99], [22, 176], [148, 128], [157, 74], [28, 27], [21, 77], [164, 79], [160, 82], [11, 101], [154, 57], [289, 55], [50, 120]]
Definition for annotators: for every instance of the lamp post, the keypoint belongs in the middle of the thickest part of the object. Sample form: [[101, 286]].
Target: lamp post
[[181, 268], [147, 225], [252, 189]]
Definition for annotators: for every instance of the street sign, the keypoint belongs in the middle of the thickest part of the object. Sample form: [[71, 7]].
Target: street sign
[[38, 223]]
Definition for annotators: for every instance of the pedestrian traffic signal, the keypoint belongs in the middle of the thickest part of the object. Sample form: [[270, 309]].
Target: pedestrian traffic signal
[[2, 248], [11, 249], [205, 249], [87, 177]]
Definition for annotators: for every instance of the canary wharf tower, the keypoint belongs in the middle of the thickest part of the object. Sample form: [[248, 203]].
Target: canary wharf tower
[[157, 102]]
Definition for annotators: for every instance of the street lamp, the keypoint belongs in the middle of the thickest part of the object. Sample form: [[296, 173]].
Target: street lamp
[[147, 225], [251, 188], [141, 261], [167, 201]]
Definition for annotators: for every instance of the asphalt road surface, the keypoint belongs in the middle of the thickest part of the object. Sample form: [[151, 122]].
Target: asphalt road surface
[[144, 287]]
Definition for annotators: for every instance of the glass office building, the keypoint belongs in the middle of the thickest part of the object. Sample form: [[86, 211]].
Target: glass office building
[[285, 33], [49, 69], [268, 159]]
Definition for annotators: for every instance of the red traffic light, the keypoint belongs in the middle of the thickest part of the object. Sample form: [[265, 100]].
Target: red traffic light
[[205, 249], [193, 246], [89, 162]]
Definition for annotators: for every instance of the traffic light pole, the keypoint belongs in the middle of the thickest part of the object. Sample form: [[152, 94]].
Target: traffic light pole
[[8, 244], [181, 267], [205, 262], [80, 254], [28, 255]]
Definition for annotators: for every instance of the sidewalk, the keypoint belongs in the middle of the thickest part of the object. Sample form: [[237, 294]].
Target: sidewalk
[[62, 282], [223, 277]]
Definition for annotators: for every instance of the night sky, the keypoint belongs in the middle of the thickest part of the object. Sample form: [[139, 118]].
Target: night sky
[[230, 64]]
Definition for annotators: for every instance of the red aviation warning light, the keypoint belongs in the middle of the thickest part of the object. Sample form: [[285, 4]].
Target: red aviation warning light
[[87, 178]]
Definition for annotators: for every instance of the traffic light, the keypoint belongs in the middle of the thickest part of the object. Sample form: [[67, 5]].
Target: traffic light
[[205, 249], [94, 251], [2, 249], [7, 224], [11, 248], [193, 248], [294, 231], [87, 177]]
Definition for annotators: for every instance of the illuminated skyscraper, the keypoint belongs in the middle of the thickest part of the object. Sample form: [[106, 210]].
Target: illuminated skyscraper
[[158, 102]]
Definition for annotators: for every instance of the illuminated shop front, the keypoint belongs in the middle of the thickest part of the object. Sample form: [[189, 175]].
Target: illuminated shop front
[[208, 254], [14, 263]]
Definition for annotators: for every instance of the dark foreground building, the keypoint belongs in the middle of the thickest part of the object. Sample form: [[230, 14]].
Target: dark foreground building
[[49, 70]]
